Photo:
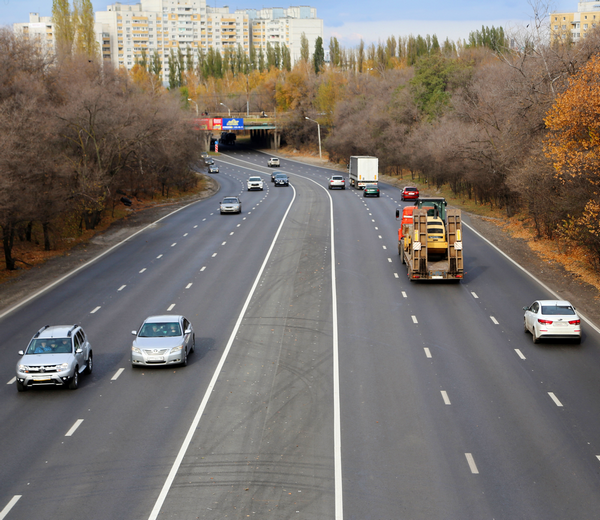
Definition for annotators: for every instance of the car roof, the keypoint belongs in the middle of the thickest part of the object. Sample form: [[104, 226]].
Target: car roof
[[280, 175], [162, 318], [562, 303], [409, 188], [56, 331]]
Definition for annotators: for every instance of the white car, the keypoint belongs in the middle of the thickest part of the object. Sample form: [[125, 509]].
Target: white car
[[273, 161], [337, 181], [552, 319], [255, 183]]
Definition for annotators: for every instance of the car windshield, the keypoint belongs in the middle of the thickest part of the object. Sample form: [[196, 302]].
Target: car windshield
[[434, 230], [230, 200], [49, 346], [281, 176], [410, 189], [160, 330], [254, 179], [337, 178], [557, 310]]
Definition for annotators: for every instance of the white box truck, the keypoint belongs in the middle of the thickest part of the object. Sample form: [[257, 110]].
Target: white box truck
[[363, 170]]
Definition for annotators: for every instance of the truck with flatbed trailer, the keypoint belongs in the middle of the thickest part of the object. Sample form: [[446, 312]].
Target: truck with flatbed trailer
[[363, 170], [430, 240]]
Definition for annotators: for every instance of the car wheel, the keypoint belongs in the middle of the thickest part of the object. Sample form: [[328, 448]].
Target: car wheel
[[21, 387], [193, 349], [578, 341], [525, 329], [185, 358], [534, 336], [90, 364], [74, 383], [401, 251], [343, 187]]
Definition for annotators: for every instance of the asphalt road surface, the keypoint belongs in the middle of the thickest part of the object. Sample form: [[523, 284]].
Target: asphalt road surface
[[324, 385]]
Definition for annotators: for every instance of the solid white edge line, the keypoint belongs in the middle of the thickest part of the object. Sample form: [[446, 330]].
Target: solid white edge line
[[9, 506], [555, 399], [117, 374], [192, 430], [543, 285], [90, 262], [74, 427], [471, 462]]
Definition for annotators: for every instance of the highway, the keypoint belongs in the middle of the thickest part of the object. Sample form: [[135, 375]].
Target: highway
[[324, 384]]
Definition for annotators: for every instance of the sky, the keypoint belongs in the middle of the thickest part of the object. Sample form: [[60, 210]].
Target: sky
[[352, 20]]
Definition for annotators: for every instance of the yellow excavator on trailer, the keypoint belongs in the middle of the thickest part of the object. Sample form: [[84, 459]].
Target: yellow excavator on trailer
[[430, 240]]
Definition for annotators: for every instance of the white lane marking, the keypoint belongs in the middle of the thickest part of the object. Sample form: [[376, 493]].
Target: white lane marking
[[142, 270], [384, 247], [396, 275], [95, 310], [223, 243], [173, 244], [474, 295], [203, 269], [372, 220], [214, 254], [195, 226], [494, 320], [12, 381], [159, 256], [250, 212], [185, 234], [117, 374], [376, 228], [471, 462], [404, 295], [189, 285], [171, 307], [414, 318], [544, 286], [231, 233], [555, 399], [379, 236], [244, 218], [9, 506], [204, 219], [598, 457], [194, 426], [520, 354], [238, 225], [390, 260], [74, 427], [427, 352], [445, 397], [121, 288]]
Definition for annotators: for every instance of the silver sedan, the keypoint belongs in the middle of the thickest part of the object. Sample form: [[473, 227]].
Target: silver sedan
[[552, 319], [230, 205], [163, 340]]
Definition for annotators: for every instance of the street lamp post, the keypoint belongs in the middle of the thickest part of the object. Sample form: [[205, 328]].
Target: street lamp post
[[228, 109], [190, 99], [319, 133]]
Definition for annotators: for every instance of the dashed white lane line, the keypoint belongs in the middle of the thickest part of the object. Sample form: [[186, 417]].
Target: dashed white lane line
[[231, 233], [12, 381], [372, 220], [142, 270], [95, 310], [173, 244], [379, 236], [159, 256], [474, 295], [185, 234], [494, 320], [203, 269], [195, 226], [223, 243], [238, 225], [445, 397], [244, 218], [404, 294], [214, 254], [427, 352], [121, 288], [376, 228], [520, 354], [598, 457], [472, 464], [390, 260], [170, 308], [396, 275], [117, 374], [555, 399], [74, 427], [414, 319], [189, 285], [384, 247], [204, 219], [9, 506]]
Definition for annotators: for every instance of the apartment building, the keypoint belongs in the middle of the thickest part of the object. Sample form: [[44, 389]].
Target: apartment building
[[574, 26], [40, 29]]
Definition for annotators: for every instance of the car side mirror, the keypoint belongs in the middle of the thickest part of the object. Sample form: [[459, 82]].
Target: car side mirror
[[134, 332], [21, 353], [79, 350], [188, 331], [525, 308]]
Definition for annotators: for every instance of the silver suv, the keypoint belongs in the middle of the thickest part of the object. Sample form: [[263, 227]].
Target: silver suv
[[55, 356]]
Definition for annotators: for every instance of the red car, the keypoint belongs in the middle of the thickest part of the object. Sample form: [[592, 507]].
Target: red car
[[410, 193]]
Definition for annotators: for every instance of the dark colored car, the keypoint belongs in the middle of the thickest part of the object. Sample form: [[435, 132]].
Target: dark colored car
[[371, 190], [409, 193], [281, 179]]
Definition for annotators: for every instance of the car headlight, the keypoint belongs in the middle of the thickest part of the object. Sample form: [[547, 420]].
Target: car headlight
[[176, 349], [62, 367], [135, 350], [23, 368]]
